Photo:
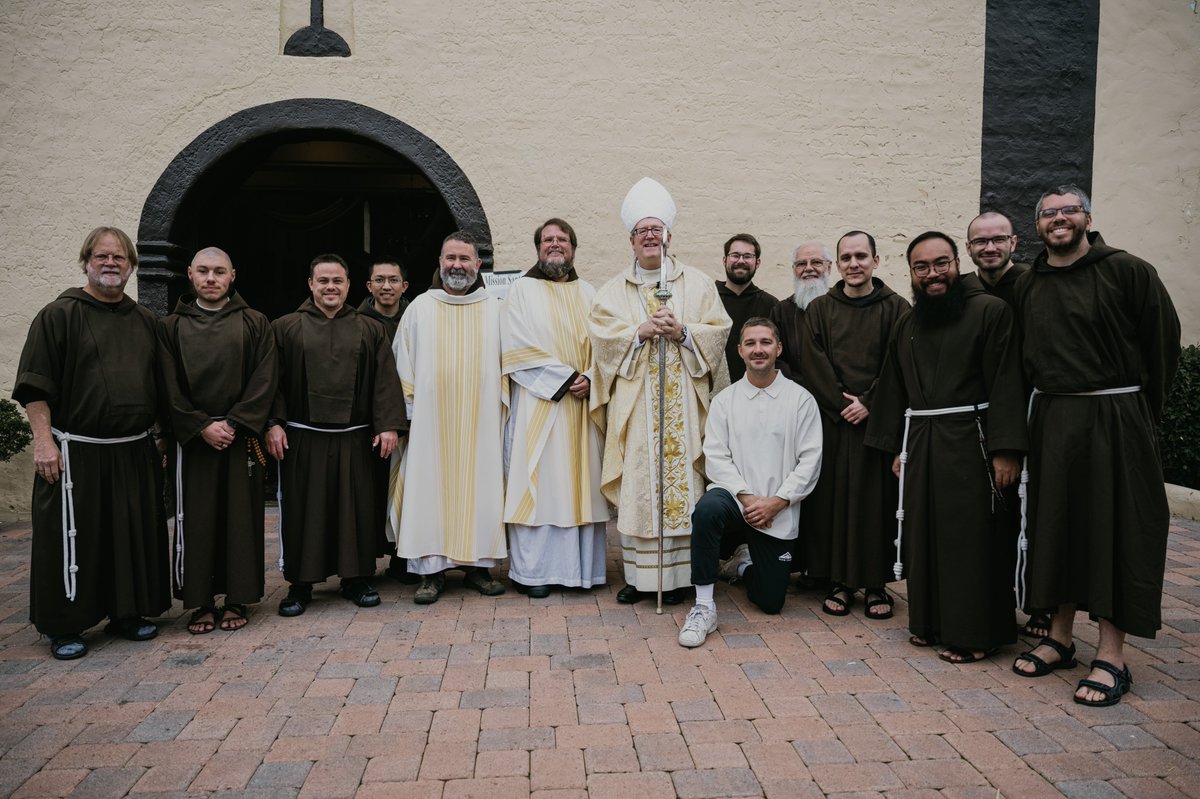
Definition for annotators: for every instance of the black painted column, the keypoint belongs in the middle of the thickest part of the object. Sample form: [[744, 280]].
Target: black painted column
[[160, 275], [1039, 106]]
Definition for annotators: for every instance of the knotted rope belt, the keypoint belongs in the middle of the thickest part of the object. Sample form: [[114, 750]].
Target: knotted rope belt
[[67, 492], [1023, 491], [279, 480], [909, 413]]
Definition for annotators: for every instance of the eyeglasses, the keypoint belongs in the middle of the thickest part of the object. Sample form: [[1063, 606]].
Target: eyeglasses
[[995, 241], [1066, 210], [387, 281], [647, 231], [803, 264], [106, 257], [748, 257], [941, 266]]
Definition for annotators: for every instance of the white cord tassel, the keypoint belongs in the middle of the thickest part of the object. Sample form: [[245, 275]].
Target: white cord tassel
[[179, 544], [898, 566], [67, 493]]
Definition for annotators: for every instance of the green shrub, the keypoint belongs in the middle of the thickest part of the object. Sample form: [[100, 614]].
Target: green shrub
[[1179, 435], [14, 430]]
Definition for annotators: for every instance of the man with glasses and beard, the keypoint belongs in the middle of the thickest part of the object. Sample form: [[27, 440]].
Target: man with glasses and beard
[[553, 506], [1100, 341], [741, 298], [447, 503], [810, 273], [990, 243], [950, 402]]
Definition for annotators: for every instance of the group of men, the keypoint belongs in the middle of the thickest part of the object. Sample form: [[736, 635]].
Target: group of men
[[458, 430]]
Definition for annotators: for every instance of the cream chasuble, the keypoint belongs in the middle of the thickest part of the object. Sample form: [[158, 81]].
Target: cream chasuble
[[626, 390], [554, 469], [447, 491]]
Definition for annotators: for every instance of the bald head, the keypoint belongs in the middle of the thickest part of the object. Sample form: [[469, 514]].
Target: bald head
[[212, 274], [209, 253]]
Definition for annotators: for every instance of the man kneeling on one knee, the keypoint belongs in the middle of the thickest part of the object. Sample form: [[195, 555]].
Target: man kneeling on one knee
[[762, 456]]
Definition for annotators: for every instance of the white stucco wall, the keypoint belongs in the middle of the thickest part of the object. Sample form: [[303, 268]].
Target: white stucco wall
[[786, 120], [1146, 173]]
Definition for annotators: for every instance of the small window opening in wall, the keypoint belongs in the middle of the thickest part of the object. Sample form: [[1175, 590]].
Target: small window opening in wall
[[314, 39]]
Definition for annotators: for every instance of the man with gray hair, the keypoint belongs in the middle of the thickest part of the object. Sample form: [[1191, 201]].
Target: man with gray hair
[[1100, 341], [810, 272], [88, 378]]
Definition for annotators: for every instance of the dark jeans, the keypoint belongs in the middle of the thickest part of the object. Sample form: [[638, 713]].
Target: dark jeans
[[717, 529]]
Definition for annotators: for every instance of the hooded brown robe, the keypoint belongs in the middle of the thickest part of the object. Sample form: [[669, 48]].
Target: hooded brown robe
[[958, 552], [333, 374], [94, 363], [219, 365], [847, 523], [1098, 512]]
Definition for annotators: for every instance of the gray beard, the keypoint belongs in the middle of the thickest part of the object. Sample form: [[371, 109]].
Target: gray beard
[[457, 279], [808, 290], [555, 271]]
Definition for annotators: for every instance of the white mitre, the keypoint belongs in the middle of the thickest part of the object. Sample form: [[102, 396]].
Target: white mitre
[[648, 198]]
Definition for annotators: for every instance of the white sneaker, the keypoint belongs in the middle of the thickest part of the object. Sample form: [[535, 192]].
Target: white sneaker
[[701, 620], [728, 570]]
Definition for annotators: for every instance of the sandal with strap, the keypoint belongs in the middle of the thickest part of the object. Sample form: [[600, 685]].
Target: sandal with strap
[[960, 655], [842, 605], [1038, 626], [1066, 659], [1122, 679], [921, 641], [233, 617], [198, 626], [875, 598]]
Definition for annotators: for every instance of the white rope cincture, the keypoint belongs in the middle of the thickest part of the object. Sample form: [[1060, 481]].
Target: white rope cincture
[[67, 493], [1019, 585], [178, 515], [279, 474], [909, 413]]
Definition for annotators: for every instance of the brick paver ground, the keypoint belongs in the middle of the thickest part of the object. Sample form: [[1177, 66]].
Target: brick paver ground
[[577, 695]]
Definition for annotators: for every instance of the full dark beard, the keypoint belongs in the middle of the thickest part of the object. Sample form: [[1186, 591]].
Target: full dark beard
[[942, 310], [555, 271]]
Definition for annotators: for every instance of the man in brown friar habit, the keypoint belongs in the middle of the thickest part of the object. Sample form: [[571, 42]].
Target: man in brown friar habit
[[221, 375], [338, 409], [88, 378]]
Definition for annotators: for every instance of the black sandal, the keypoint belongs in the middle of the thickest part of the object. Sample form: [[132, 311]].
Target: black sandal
[[1038, 626], [1122, 679], [231, 615], [881, 598], [843, 605], [1066, 655], [960, 655], [205, 627]]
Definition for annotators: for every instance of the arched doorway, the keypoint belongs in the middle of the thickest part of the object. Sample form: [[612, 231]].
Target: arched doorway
[[276, 184]]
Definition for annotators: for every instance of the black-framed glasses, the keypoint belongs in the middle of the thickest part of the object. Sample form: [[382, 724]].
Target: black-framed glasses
[[941, 266], [748, 257], [647, 231], [1066, 210], [995, 241]]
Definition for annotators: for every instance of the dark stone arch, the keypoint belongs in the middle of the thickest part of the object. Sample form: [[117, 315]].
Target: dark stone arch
[[164, 261]]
